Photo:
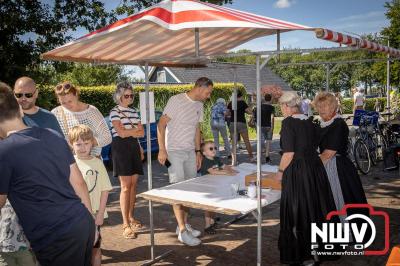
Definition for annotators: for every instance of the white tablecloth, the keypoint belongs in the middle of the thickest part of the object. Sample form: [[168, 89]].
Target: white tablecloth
[[216, 191]]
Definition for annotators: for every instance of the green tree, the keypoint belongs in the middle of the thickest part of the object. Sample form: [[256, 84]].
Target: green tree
[[81, 74], [31, 27], [392, 33]]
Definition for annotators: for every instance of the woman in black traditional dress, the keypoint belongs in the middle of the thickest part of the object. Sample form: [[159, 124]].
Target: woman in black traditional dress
[[343, 176], [306, 194]]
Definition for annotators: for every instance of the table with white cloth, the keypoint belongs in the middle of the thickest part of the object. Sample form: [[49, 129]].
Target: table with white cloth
[[215, 192]]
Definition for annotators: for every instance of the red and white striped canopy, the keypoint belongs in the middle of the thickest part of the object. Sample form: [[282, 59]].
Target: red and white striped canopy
[[164, 34], [338, 37]]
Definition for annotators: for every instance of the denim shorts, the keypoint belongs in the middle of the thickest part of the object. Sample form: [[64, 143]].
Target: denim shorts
[[267, 133], [240, 127]]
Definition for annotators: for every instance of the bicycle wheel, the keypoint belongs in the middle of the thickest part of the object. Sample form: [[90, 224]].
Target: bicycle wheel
[[362, 156], [381, 145], [372, 146], [350, 149]]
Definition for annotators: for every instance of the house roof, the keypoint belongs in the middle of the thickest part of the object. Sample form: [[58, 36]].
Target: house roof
[[223, 72]]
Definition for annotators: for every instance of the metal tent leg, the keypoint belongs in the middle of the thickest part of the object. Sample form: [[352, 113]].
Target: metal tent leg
[[259, 209], [234, 107], [150, 173]]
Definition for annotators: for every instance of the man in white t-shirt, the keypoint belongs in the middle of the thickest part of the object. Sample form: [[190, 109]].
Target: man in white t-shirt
[[179, 140], [359, 99]]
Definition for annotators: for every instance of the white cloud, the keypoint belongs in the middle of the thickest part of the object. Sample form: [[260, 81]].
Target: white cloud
[[370, 22], [283, 3]]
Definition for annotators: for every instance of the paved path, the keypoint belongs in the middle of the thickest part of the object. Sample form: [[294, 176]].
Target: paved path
[[235, 245]]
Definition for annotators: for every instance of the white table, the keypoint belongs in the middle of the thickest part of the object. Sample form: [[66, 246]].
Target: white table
[[214, 193]]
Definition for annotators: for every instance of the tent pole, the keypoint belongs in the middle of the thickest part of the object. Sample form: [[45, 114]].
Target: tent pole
[[234, 107], [259, 210], [388, 82], [197, 42], [149, 168], [278, 43], [150, 171], [327, 77]]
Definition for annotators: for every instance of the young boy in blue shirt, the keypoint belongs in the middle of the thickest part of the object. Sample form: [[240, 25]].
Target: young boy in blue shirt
[[212, 165]]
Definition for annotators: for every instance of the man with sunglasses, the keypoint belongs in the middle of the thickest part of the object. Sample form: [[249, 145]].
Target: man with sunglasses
[[26, 93], [41, 180]]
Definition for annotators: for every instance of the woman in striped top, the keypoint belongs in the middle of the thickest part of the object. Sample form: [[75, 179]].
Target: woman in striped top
[[127, 154]]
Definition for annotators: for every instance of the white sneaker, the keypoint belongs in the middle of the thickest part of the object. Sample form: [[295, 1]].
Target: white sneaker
[[187, 238], [194, 232]]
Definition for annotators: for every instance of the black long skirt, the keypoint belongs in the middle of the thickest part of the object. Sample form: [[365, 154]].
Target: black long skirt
[[306, 198], [126, 157], [350, 181]]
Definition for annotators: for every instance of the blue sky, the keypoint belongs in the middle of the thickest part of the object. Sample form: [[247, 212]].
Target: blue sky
[[355, 16], [351, 16]]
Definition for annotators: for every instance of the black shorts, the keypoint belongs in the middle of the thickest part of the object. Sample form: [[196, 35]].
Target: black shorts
[[126, 157], [72, 248]]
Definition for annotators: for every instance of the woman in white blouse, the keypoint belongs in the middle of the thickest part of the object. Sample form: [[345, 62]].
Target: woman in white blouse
[[127, 154], [73, 112]]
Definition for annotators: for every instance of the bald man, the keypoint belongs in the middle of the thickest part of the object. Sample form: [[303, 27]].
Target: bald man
[[26, 93]]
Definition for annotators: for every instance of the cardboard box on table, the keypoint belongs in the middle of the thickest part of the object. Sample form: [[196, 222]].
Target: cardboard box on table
[[266, 180]]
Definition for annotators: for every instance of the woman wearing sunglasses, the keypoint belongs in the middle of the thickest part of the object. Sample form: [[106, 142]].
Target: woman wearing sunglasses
[[127, 154], [73, 112]]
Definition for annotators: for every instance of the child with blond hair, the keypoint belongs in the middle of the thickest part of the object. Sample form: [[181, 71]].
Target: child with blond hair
[[96, 177]]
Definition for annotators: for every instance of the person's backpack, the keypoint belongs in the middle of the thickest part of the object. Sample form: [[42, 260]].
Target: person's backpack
[[216, 114]]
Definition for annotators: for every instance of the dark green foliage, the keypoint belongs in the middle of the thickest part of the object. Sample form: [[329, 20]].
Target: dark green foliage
[[101, 97]]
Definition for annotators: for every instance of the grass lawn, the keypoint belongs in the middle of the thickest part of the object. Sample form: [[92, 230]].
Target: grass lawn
[[277, 128]]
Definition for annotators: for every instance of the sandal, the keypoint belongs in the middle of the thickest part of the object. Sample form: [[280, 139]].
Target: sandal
[[135, 224], [127, 232], [210, 230], [217, 224]]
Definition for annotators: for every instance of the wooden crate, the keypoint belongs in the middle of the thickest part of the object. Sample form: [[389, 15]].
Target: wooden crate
[[266, 180]]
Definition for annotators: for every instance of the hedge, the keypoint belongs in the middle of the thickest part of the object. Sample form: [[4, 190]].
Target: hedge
[[101, 97], [347, 104]]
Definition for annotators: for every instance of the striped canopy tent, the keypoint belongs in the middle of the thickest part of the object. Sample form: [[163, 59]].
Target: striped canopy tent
[[169, 32], [187, 33], [348, 40]]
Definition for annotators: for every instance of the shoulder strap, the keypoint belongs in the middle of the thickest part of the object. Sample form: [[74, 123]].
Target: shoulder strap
[[64, 118], [121, 112]]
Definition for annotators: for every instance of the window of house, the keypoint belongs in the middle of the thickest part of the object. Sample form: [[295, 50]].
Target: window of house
[[161, 77]]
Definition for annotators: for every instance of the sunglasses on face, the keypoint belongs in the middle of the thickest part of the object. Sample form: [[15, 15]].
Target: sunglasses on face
[[27, 95], [127, 96], [213, 149], [63, 88]]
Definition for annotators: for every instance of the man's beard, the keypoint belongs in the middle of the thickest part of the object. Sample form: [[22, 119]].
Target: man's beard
[[27, 106]]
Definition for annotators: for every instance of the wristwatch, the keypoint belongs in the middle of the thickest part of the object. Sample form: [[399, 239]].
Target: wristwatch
[[280, 170], [197, 151]]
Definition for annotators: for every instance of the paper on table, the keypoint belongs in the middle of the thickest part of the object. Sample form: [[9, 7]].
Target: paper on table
[[215, 191], [142, 101]]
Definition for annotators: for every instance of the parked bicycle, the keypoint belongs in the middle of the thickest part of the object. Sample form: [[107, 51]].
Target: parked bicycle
[[369, 144]]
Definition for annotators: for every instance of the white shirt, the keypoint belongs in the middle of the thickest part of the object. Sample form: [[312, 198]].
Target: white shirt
[[129, 118], [90, 117], [359, 98], [185, 115]]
